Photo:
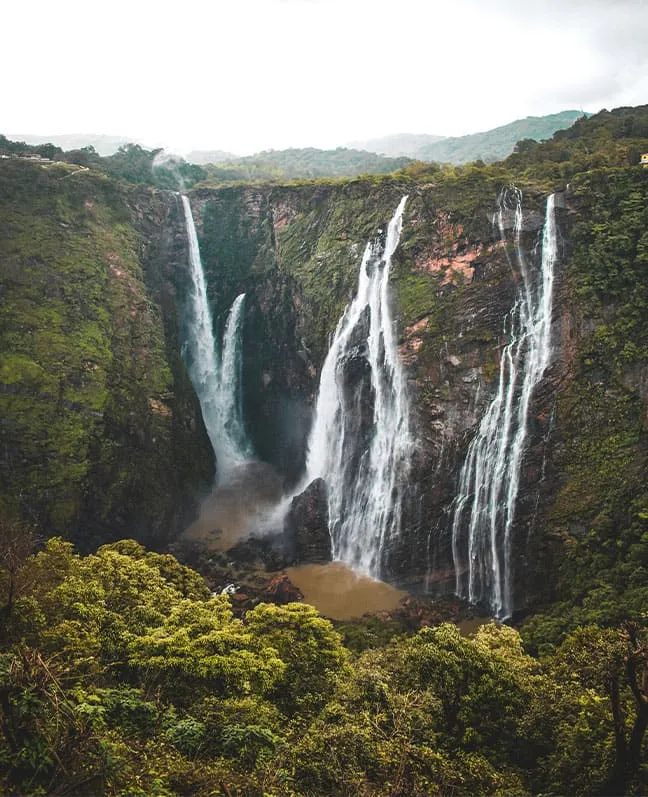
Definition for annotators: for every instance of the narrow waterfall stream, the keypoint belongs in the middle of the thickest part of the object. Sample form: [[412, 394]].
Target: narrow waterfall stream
[[216, 379], [489, 480], [229, 397], [360, 440]]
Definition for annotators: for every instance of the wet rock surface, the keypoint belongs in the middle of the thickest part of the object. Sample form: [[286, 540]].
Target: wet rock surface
[[250, 573], [306, 525]]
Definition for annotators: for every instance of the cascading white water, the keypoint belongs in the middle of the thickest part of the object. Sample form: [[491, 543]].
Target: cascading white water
[[360, 440], [216, 380], [490, 477], [229, 397]]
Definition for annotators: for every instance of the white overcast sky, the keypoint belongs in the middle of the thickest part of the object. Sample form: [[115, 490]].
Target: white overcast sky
[[248, 75]]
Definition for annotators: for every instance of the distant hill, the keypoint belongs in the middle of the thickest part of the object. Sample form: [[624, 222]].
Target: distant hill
[[489, 146], [398, 145], [203, 156], [104, 145], [496, 144], [294, 164]]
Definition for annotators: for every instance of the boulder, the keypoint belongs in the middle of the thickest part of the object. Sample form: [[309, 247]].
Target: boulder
[[280, 590]]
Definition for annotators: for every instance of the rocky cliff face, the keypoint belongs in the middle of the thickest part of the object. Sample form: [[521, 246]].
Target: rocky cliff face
[[296, 251]]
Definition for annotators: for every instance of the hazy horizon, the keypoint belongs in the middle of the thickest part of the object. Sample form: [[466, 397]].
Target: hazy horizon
[[275, 74], [39, 138]]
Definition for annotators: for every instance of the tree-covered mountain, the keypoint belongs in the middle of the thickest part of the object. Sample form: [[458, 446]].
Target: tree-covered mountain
[[493, 145], [309, 163], [102, 144], [489, 146], [130, 162], [344, 161], [135, 164], [91, 380], [11, 148]]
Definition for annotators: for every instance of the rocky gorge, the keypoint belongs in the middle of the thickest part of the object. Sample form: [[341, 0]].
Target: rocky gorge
[[101, 430], [453, 286]]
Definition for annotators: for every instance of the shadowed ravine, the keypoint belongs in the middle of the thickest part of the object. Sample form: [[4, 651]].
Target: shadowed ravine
[[244, 487], [215, 375]]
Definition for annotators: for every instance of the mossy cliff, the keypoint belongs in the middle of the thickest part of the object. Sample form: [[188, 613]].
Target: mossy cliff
[[596, 520], [100, 428]]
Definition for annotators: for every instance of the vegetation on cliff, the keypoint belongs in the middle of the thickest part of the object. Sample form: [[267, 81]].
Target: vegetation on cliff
[[91, 404], [135, 164], [601, 510], [130, 162], [291, 164]]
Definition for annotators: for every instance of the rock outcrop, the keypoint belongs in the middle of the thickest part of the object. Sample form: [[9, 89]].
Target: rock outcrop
[[306, 525]]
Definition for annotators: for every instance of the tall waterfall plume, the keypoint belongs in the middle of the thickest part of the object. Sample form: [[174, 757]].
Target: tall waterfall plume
[[360, 441], [216, 379], [489, 481]]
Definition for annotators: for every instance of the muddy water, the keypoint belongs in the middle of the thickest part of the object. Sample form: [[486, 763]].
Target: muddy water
[[340, 593], [234, 508], [470, 626]]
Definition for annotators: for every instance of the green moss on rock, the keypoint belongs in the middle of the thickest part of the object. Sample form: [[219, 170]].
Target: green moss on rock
[[83, 367]]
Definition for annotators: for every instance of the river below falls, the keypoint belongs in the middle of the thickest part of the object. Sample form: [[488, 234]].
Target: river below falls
[[342, 594]]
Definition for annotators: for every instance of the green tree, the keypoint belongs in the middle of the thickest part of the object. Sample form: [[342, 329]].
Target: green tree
[[49, 739], [199, 648], [16, 543], [309, 647], [613, 663]]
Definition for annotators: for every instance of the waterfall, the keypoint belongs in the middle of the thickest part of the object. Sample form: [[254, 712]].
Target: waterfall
[[216, 379], [229, 397], [489, 481], [360, 440]]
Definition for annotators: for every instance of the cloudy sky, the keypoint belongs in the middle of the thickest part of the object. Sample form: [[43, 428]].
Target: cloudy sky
[[246, 75]]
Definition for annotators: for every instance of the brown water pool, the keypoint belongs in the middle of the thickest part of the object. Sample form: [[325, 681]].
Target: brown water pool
[[342, 594]]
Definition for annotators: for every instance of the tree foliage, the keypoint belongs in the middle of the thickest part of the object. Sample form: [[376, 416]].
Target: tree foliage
[[121, 674]]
